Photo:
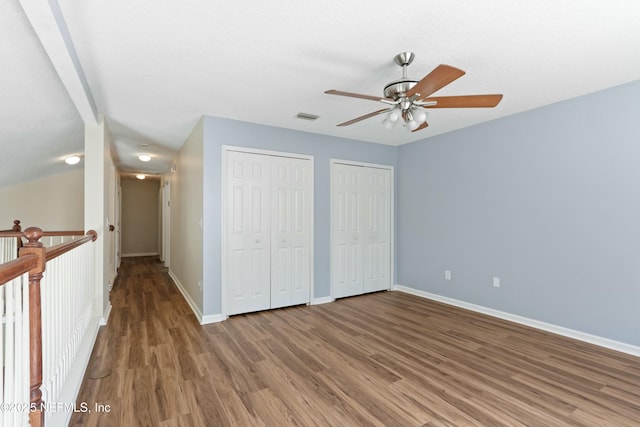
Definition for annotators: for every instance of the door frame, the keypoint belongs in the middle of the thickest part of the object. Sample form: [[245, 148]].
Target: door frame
[[166, 222], [223, 256], [118, 217], [392, 207]]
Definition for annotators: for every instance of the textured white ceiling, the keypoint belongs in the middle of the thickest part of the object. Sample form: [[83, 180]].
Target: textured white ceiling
[[39, 125], [154, 67]]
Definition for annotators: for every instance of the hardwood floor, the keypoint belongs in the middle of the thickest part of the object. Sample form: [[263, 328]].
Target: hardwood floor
[[384, 359]]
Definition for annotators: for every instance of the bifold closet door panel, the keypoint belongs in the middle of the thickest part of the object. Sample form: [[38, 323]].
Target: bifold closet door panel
[[376, 190], [361, 229], [290, 231], [248, 232], [346, 220]]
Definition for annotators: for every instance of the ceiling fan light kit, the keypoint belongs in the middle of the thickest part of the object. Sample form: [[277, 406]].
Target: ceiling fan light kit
[[408, 98]]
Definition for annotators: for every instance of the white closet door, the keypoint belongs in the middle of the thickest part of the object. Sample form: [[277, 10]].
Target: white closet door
[[346, 251], [361, 230], [290, 231], [376, 190], [248, 232]]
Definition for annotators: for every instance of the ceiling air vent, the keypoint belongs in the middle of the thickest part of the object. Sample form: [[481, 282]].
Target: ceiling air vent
[[307, 116]]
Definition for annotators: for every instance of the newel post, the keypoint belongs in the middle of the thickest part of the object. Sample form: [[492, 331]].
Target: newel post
[[34, 246], [18, 228]]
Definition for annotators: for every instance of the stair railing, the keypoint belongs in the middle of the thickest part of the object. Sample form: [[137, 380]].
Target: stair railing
[[65, 303]]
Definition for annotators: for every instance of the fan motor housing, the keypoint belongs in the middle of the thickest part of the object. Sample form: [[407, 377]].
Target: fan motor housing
[[398, 88]]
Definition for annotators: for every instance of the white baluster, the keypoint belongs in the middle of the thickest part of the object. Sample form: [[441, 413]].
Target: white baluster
[[14, 351], [10, 350]]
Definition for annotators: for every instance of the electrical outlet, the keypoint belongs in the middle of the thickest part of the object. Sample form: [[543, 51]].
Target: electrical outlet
[[496, 282], [447, 275]]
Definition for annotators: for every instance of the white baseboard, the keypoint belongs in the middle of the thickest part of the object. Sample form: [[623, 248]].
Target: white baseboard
[[69, 394], [203, 320], [192, 304], [139, 254], [212, 318], [323, 300], [112, 280], [559, 330], [105, 317]]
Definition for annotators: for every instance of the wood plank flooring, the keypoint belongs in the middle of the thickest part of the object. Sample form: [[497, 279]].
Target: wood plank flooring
[[383, 359]]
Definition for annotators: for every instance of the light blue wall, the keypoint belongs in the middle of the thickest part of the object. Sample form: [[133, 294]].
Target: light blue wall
[[218, 132], [548, 200]]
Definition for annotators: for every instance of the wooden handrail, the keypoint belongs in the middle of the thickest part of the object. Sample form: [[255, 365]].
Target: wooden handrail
[[62, 233], [16, 231], [33, 257], [16, 268], [11, 233], [57, 250], [16, 226]]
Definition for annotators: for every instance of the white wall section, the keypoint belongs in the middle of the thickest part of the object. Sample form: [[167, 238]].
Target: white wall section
[[52, 203]]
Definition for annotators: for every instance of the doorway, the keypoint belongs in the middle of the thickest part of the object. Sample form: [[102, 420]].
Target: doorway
[[140, 219]]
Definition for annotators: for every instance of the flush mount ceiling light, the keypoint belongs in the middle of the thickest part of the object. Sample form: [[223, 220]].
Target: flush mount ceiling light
[[144, 157], [72, 160], [407, 98], [140, 176]]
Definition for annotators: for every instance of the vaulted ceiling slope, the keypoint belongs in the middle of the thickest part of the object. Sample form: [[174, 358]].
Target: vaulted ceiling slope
[[153, 68]]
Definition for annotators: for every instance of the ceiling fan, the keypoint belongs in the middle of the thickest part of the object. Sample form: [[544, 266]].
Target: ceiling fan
[[408, 98]]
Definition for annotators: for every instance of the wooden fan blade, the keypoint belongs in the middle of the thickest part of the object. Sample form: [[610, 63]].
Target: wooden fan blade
[[354, 95], [441, 76], [465, 101], [366, 116], [422, 126]]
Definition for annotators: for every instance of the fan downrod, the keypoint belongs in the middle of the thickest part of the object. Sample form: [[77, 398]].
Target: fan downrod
[[397, 89]]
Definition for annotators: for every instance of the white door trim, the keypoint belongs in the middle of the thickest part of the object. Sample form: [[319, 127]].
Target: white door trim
[[118, 212], [391, 217], [166, 223], [223, 259], [226, 148]]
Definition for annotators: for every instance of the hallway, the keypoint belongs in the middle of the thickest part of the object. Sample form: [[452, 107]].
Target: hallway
[[144, 359], [383, 359]]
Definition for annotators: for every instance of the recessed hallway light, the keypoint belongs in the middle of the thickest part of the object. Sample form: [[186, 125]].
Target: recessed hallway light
[[72, 160]]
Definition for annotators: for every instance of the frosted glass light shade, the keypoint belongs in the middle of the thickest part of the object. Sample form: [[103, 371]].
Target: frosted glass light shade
[[419, 115]]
